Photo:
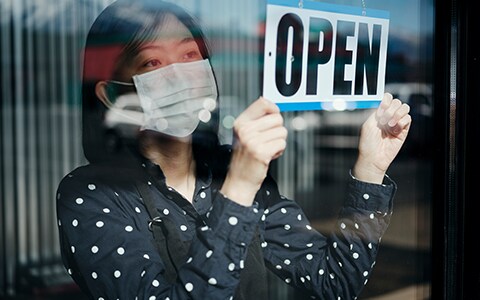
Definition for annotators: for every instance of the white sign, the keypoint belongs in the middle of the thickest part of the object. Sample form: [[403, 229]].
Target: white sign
[[318, 55]]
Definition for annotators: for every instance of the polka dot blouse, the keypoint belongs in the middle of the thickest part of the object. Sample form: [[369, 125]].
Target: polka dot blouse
[[110, 252]]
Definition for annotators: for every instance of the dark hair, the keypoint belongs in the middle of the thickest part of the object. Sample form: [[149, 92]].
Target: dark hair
[[116, 33]]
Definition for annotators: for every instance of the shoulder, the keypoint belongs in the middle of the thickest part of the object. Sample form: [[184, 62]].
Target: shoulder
[[101, 182]]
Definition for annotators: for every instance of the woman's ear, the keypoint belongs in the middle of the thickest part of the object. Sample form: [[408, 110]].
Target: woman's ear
[[102, 94]]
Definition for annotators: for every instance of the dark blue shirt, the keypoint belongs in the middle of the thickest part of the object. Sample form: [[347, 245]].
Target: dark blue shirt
[[109, 251]]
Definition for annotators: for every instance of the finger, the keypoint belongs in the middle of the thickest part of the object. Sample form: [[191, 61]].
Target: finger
[[274, 148], [256, 140], [263, 123], [257, 109], [400, 113], [390, 111], [385, 104], [403, 125]]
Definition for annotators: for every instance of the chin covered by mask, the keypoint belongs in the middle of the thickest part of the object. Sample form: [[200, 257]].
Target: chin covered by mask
[[175, 98]]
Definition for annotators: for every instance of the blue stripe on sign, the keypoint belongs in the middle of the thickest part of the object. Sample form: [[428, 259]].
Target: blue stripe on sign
[[302, 106], [333, 8]]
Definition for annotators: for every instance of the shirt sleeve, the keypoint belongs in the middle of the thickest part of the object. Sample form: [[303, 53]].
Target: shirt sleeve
[[105, 249], [336, 266]]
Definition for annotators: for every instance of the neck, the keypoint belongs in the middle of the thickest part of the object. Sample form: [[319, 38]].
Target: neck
[[175, 158]]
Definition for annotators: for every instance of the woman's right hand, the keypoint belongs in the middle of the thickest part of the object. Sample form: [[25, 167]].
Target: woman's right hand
[[259, 138]]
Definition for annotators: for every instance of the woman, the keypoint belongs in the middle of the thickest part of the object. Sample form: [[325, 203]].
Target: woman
[[176, 216]]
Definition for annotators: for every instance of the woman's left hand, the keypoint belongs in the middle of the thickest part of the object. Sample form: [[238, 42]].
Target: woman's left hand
[[381, 138]]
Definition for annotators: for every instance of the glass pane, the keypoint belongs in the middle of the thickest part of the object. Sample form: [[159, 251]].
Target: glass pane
[[41, 51]]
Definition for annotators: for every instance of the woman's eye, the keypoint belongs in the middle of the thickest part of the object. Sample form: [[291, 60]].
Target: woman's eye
[[152, 63], [192, 55]]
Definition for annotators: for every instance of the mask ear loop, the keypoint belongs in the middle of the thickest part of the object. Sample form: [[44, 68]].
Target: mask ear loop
[[112, 106]]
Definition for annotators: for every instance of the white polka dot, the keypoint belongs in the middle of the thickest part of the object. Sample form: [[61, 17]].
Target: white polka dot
[[365, 273], [189, 287], [155, 283], [100, 224], [137, 210], [302, 279], [189, 260], [212, 281], [340, 264], [287, 262], [299, 217], [343, 226], [372, 216], [355, 255], [146, 256], [286, 245], [356, 226], [75, 223], [310, 245], [365, 283], [59, 222], [128, 228], [287, 227], [266, 211], [351, 246], [149, 183], [166, 211], [332, 275], [370, 245], [73, 249], [94, 275], [231, 266], [152, 298], [309, 257], [255, 210], [106, 210], [233, 221], [321, 272], [94, 249], [117, 274], [204, 228], [308, 227], [334, 244], [209, 253], [143, 273], [91, 187], [183, 228], [69, 271], [121, 251], [267, 192], [242, 264], [263, 218], [283, 210], [79, 201], [288, 280], [203, 195], [307, 277]]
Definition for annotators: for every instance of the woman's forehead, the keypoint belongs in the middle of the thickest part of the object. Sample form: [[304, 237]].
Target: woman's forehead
[[171, 28]]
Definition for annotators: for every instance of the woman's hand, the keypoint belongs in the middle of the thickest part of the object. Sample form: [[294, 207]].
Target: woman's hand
[[259, 138], [381, 138]]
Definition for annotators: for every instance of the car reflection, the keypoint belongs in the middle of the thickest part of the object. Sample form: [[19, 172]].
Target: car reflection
[[123, 121]]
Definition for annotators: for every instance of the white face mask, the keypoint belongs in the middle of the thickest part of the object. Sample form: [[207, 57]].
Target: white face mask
[[177, 97]]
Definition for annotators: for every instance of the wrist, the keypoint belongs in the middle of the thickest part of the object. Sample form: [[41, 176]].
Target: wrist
[[368, 172], [239, 191]]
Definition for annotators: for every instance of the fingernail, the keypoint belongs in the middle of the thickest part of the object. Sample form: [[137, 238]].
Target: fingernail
[[392, 123]]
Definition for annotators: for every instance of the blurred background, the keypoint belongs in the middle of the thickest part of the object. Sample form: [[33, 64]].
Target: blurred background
[[41, 44]]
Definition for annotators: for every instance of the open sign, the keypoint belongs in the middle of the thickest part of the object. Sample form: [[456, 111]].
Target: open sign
[[319, 54]]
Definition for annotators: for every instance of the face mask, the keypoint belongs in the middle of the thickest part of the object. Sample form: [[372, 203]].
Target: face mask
[[177, 97]]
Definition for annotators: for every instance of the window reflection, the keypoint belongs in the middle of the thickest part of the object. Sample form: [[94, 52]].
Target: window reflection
[[41, 44]]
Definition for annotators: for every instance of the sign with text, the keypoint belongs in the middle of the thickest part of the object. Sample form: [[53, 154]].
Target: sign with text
[[319, 55]]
